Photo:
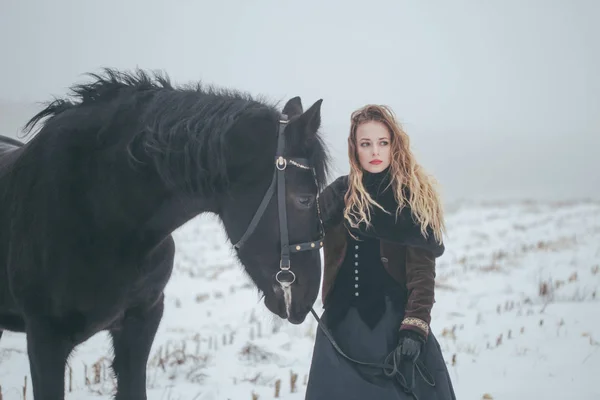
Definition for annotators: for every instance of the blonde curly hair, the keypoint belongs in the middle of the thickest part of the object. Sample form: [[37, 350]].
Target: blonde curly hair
[[424, 200]]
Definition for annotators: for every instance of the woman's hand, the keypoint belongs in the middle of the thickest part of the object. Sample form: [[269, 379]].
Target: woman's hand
[[409, 345]]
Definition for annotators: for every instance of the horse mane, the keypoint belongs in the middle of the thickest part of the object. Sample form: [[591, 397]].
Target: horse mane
[[178, 128], [158, 120], [116, 83]]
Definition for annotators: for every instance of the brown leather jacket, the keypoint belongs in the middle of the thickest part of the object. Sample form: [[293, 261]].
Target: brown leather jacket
[[408, 258]]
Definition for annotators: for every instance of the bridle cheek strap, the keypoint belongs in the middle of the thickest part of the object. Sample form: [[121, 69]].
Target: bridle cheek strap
[[285, 276]]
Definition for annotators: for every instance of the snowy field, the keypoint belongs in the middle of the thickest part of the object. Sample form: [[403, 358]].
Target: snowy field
[[517, 315]]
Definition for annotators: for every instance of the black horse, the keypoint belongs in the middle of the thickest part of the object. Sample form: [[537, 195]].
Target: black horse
[[88, 205]]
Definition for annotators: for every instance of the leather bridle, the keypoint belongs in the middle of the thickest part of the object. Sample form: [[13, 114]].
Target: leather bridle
[[285, 276]]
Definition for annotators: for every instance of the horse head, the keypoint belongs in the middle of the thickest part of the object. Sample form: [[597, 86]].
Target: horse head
[[274, 218]]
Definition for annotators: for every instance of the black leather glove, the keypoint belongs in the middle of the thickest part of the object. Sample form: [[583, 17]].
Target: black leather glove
[[410, 345], [408, 350]]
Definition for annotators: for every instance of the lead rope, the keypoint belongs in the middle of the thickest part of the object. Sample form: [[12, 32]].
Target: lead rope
[[386, 366]]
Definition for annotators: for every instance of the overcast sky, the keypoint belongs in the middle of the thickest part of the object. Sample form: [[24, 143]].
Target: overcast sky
[[501, 98]]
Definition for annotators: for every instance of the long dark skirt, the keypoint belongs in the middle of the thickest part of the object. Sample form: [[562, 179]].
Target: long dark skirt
[[334, 377]]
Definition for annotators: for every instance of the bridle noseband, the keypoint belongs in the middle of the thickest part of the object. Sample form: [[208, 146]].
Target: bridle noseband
[[285, 276]]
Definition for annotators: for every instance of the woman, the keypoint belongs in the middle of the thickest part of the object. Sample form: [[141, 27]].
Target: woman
[[383, 231]]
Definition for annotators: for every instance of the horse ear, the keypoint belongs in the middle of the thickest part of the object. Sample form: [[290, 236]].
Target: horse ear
[[310, 121], [293, 107]]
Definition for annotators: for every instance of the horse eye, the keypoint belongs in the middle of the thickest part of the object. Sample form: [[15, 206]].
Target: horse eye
[[306, 200]]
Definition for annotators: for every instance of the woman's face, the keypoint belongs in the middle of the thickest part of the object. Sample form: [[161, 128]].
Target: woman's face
[[373, 146]]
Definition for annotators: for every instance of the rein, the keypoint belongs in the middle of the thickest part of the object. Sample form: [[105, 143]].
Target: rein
[[390, 366]]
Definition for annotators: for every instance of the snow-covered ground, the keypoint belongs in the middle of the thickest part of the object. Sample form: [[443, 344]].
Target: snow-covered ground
[[517, 315]]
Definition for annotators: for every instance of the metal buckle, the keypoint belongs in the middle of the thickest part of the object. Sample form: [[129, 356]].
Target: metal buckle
[[286, 268]]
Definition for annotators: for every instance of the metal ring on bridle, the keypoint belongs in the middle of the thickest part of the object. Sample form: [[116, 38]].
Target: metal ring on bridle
[[281, 163], [285, 282]]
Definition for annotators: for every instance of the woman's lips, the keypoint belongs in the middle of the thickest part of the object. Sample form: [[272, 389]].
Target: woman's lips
[[376, 162]]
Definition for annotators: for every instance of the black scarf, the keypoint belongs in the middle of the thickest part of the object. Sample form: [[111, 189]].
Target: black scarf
[[402, 229]]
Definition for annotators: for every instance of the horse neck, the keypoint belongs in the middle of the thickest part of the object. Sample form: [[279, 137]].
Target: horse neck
[[94, 203], [121, 198], [141, 211]]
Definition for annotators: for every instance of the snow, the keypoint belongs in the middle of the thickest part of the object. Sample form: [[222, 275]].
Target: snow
[[516, 313]]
